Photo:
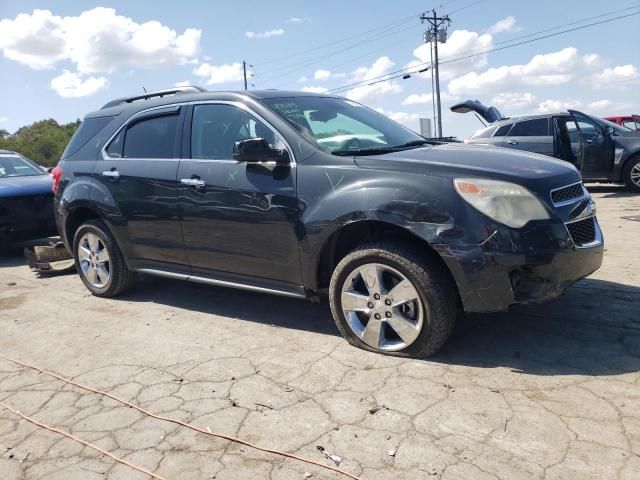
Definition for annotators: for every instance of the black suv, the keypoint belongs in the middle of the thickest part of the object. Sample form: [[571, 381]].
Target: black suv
[[303, 195]]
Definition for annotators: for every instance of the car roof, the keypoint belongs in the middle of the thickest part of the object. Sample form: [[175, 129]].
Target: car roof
[[8, 152], [135, 106], [518, 118]]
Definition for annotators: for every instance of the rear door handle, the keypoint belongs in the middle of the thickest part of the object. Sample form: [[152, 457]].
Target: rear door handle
[[111, 173], [193, 182], [512, 142]]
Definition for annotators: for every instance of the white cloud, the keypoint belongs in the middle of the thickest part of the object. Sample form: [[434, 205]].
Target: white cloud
[[184, 83], [264, 35], [72, 85], [543, 69], [620, 76], [298, 20], [408, 119], [315, 89], [507, 24], [216, 74], [97, 40], [551, 106], [513, 100], [381, 66], [3, 119], [322, 75], [417, 99], [303, 79], [459, 42]]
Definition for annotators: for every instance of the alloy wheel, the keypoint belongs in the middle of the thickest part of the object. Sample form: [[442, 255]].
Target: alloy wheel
[[635, 174], [94, 260], [382, 307]]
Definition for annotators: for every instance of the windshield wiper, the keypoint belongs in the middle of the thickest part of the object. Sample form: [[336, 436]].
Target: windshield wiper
[[365, 151], [415, 143]]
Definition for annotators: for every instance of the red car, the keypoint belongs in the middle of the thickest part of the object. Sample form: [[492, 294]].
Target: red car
[[630, 121]]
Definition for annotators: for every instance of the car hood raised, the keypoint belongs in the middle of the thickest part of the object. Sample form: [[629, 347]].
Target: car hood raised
[[25, 186], [534, 171]]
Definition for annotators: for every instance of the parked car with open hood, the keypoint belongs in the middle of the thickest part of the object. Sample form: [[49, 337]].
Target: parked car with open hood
[[603, 151], [26, 200], [304, 195]]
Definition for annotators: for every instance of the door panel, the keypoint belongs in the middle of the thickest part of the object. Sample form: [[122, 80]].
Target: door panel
[[596, 147], [239, 218], [144, 188]]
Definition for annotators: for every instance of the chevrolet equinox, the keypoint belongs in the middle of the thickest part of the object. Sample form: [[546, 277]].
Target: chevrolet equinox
[[308, 195]]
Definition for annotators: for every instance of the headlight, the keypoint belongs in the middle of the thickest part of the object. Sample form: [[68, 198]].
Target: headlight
[[504, 202]]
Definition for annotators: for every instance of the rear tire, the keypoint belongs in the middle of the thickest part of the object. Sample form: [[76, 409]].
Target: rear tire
[[415, 328], [99, 261], [631, 174]]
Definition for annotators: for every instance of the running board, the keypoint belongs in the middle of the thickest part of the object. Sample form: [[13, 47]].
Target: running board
[[219, 283]]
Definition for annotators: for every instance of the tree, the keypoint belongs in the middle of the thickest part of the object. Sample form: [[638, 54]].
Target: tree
[[42, 141]]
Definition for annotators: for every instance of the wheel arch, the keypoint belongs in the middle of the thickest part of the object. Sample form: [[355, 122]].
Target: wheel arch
[[349, 236]]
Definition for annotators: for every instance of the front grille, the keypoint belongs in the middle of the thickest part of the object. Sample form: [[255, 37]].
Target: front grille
[[567, 193], [582, 232]]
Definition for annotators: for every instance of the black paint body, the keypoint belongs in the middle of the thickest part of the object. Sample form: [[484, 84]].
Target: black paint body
[[274, 226]]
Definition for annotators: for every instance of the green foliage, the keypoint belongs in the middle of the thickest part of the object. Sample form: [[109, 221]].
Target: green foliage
[[43, 141]]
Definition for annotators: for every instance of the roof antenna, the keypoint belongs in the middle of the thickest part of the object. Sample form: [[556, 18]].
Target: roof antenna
[[145, 90]]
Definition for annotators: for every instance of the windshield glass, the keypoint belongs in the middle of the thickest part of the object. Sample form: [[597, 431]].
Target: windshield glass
[[15, 166], [340, 126]]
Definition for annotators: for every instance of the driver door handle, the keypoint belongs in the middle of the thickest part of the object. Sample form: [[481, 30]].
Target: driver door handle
[[512, 142], [111, 174], [193, 182]]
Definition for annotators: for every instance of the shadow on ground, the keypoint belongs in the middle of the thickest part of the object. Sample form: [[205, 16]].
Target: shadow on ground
[[611, 191], [594, 327]]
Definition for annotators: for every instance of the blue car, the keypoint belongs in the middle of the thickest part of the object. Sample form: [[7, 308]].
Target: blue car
[[26, 200]]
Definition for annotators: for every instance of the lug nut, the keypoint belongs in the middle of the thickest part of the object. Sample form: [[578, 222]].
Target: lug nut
[[370, 305], [377, 316], [387, 302], [376, 296], [387, 314]]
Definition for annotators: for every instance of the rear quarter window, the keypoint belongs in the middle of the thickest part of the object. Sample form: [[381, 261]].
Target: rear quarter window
[[88, 129], [538, 127], [503, 130]]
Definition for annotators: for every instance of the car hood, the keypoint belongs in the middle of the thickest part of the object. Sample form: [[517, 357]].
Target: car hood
[[536, 172], [25, 186]]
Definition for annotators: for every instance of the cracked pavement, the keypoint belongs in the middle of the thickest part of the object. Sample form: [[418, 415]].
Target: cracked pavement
[[543, 392]]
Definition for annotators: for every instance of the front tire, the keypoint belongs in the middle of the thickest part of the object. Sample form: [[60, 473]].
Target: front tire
[[393, 299], [99, 261], [631, 174]]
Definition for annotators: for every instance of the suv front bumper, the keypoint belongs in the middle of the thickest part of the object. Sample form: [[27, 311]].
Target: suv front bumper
[[541, 264]]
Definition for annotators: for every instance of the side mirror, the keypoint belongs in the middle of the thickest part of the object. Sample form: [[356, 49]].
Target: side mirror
[[256, 150]]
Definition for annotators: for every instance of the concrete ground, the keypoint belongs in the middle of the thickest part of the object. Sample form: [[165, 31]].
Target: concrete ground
[[543, 392]]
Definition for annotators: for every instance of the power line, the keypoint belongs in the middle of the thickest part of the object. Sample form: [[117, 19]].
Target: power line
[[336, 42], [451, 60]]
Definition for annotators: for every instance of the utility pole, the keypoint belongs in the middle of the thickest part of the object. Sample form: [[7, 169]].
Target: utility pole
[[437, 32], [244, 73]]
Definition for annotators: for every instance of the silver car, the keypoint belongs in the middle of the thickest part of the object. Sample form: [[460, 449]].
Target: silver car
[[603, 151]]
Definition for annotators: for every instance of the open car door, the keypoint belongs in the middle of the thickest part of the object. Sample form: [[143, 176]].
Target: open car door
[[490, 114], [595, 152]]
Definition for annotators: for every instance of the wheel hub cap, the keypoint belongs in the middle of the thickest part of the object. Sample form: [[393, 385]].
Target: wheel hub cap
[[94, 260], [382, 307]]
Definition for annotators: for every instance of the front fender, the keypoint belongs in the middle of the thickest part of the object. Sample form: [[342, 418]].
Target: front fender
[[336, 196]]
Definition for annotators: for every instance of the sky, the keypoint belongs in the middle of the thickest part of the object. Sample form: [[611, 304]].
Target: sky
[[64, 59]]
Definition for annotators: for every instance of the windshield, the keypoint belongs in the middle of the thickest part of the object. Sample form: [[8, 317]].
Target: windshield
[[15, 166], [342, 127]]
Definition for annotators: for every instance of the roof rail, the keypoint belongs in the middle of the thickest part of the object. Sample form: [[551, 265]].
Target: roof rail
[[158, 93]]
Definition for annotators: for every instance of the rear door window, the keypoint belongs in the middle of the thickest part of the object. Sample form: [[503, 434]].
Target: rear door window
[[503, 130], [152, 137], [531, 128]]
